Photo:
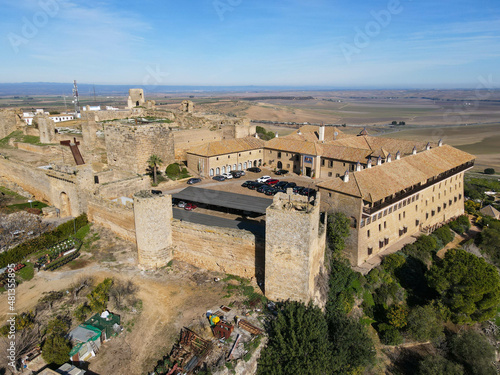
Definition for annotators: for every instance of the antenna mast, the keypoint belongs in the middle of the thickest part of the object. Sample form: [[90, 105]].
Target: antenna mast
[[76, 100]]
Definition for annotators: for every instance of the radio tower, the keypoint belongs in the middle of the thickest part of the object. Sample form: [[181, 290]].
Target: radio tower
[[76, 101]]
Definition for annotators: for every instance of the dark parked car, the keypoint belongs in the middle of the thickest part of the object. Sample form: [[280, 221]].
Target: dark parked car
[[156, 192], [308, 191], [236, 174], [290, 185], [298, 189], [281, 172], [254, 169], [193, 181], [255, 185], [245, 184], [218, 178], [281, 183], [263, 188], [271, 191]]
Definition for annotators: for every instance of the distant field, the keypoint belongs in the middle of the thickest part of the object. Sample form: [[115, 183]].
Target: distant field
[[480, 140]]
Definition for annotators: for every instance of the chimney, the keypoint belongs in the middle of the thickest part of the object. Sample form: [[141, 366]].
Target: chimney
[[414, 151], [276, 135], [369, 163], [440, 143], [358, 167], [256, 135], [389, 158], [322, 133], [346, 176], [379, 160], [398, 155], [299, 132], [428, 146]]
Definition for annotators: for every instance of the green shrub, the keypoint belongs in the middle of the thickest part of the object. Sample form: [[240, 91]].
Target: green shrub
[[389, 335], [173, 170], [424, 323], [392, 262], [18, 253], [443, 234], [397, 316], [489, 171]]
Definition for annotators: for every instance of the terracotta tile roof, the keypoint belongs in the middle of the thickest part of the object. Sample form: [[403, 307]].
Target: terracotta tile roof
[[295, 146], [310, 133], [338, 152], [227, 146], [378, 182], [383, 146]]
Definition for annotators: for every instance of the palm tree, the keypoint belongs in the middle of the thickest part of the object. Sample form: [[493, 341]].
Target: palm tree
[[154, 161]]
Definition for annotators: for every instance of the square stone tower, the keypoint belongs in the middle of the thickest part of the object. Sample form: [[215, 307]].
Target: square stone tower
[[47, 128], [295, 247], [153, 228], [135, 98]]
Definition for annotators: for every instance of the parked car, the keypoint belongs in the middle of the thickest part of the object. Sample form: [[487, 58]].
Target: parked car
[[181, 204], [263, 179], [281, 184], [218, 178], [242, 173], [190, 207], [308, 191], [193, 181], [236, 174], [156, 192], [271, 191], [245, 184], [272, 181], [228, 175], [297, 189], [255, 185], [281, 172], [290, 185], [254, 169], [263, 188]]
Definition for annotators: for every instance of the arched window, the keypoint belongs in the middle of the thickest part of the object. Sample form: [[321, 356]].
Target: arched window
[[260, 162], [223, 169], [234, 167], [211, 172], [280, 165], [228, 168], [217, 171], [245, 165], [239, 167], [255, 163]]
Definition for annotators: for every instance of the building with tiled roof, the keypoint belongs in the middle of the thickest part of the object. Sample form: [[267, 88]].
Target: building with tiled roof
[[490, 211], [391, 201]]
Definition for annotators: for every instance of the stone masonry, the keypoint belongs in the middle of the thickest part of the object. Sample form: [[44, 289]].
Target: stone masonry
[[153, 228]]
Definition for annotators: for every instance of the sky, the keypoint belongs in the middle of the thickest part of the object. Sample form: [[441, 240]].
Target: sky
[[329, 43]]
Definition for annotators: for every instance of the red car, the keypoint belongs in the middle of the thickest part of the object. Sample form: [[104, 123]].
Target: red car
[[190, 206], [272, 181]]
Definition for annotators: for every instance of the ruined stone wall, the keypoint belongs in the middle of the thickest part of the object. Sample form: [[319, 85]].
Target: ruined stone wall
[[114, 216], [226, 250], [9, 121], [186, 139], [46, 127], [153, 224], [129, 147]]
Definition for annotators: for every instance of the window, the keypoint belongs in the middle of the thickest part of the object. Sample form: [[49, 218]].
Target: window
[[380, 244], [404, 214], [370, 250], [380, 227], [385, 224], [217, 158], [337, 175], [330, 195], [385, 212], [417, 222], [390, 209], [229, 156], [279, 155], [379, 215], [399, 216], [444, 205], [426, 215], [322, 162], [386, 241], [439, 209], [433, 213], [330, 163], [329, 174], [368, 232]]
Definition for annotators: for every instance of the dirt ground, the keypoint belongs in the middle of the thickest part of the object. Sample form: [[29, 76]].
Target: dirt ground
[[171, 298]]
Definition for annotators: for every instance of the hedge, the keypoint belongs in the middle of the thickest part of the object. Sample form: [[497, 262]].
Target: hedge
[[46, 240]]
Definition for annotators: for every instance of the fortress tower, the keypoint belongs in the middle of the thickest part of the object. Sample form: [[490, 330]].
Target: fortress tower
[[153, 228], [295, 247]]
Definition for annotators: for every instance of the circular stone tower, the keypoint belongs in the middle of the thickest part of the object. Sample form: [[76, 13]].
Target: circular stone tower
[[153, 228]]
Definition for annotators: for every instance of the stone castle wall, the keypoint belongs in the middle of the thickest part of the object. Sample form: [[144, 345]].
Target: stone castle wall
[[226, 250], [129, 147], [114, 216], [9, 121]]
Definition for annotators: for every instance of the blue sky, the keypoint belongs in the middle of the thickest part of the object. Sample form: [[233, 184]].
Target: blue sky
[[359, 44]]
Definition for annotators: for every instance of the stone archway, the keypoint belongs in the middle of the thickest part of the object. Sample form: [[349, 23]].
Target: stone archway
[[65, 205]]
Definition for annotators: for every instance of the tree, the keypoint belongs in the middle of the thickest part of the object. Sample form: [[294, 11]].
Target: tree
[[424, 323], [154, 162], [444, 234], [56, 347], [121, 290], [474, 352], [438, 365], [298, 342], [340, 293], [468, 285], [488, 241], [99, 297], [397, 316], [489, 171], [338, 231]]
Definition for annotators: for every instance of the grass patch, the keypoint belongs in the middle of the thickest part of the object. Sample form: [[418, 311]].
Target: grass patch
[[11, 193], [28, 272], [18, 136], [82, 232], [22, 206]]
